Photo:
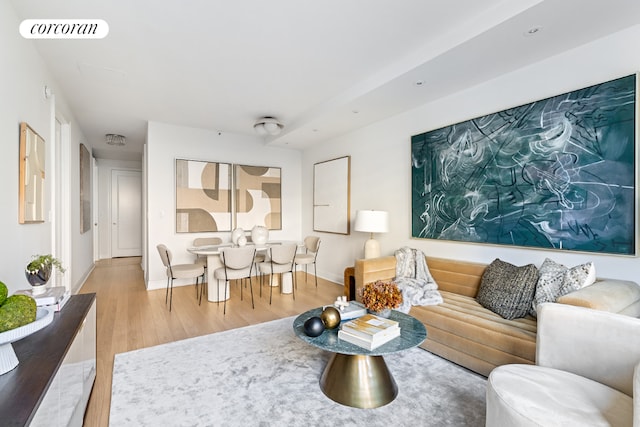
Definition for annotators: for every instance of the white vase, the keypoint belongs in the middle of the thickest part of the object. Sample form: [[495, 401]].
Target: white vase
[[236, 234], [259, 235]]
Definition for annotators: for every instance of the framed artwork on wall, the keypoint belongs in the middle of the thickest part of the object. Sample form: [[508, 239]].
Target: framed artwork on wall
[[31, 176], [558, 173], [203, 196], [332, 195], [85, 190], [258, 197]]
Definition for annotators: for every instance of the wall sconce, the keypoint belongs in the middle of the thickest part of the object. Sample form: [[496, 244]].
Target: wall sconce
[[268, 126], [372, 222]]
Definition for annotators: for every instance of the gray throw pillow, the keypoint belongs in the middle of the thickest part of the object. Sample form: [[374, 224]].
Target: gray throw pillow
[[557, 280], [508, 290]]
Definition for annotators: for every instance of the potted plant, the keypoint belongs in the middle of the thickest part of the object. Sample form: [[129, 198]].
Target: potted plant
[[381, 297], [38, 271]]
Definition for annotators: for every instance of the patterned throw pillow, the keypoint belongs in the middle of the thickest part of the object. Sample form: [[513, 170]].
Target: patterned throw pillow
[[508, 290], [557, 280]]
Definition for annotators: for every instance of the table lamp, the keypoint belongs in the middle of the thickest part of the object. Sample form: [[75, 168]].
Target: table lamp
[[372, 222]]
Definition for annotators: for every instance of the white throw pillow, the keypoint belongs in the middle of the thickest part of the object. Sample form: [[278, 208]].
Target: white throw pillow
[[557, 280]]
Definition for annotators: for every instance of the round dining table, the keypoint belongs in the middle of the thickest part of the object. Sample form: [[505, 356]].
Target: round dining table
[[216, 288]]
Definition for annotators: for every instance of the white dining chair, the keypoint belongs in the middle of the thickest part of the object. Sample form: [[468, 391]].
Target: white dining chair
[[237, 263], [311, 248], [280, 261], [179, 271]]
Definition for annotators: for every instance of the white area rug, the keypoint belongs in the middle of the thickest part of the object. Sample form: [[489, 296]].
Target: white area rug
[[263, 375]]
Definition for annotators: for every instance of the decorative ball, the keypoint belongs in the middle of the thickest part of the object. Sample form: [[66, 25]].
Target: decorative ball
[[313, 326], [330, 317], [242, 241]]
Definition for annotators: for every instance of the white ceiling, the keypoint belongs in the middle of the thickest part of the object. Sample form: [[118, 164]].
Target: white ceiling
[[322, 68]]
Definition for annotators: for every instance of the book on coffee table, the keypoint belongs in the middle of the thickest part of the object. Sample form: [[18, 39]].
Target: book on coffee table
[[370, 327], [369, 344], [351, 311]]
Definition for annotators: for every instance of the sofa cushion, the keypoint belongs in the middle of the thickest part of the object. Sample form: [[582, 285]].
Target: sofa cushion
[[605, 295], [557, 280], [507, 289]]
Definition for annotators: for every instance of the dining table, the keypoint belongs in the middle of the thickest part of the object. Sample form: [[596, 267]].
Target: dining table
[[218, 289]]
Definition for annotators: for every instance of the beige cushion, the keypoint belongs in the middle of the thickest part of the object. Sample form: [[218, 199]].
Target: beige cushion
[[606, 295], [528, 395]]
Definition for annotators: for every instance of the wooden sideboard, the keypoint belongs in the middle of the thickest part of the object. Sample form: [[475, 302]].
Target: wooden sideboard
[[57, 367]]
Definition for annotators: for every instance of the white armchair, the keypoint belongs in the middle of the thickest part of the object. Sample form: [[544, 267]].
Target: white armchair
[[583, 376]]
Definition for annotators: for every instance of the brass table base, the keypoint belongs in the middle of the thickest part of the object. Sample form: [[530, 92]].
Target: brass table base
[[358, 381]]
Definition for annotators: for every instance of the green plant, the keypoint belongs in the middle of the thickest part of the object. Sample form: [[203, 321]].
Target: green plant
[[44, 262]]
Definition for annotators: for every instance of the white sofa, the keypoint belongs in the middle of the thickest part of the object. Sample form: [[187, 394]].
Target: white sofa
[[583, 376]]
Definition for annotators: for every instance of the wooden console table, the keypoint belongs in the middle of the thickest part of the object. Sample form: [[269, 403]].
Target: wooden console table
[[56, 370]]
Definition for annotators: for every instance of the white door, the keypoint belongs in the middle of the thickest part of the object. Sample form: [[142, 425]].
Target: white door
[[126, 213]]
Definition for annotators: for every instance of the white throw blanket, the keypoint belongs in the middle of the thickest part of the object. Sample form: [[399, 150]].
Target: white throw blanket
[[414, 280]]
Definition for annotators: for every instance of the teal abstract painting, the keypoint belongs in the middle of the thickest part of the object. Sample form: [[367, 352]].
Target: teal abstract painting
[[558, 173]]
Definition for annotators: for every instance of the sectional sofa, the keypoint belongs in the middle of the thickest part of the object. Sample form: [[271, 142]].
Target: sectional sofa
[[463, 331]]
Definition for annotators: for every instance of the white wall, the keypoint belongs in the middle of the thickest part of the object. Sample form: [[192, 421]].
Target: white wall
[[22, 82], [165, 143], [380, 158]]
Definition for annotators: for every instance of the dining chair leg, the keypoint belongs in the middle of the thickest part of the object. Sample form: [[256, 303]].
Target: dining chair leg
[[270, 288], [241, 283], [315, 273], [171, 295], [166, 295], [251, 289], [226, 285]]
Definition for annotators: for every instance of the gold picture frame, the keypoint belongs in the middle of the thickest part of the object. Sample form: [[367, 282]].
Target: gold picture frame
[[32, 174]]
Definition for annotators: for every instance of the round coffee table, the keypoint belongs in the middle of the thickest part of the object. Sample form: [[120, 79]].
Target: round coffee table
[[356, 376]]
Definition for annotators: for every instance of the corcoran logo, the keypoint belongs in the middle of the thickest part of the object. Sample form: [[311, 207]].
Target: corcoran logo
[[64, 29]]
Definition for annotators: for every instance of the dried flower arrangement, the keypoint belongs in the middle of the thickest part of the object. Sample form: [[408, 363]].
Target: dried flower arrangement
[[379, 295]]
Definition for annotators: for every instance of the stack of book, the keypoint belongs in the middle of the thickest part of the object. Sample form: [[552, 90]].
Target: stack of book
[[369, 331], [55, 297], [349, 310]]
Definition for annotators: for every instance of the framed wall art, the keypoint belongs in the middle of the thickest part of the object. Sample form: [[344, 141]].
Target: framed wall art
[[332, 195], [31, 179], [258, 197], [558, 173], [85, 189], [203, 196]]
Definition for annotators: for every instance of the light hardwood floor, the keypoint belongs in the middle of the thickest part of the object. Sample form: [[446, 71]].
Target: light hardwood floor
[[129, 317]]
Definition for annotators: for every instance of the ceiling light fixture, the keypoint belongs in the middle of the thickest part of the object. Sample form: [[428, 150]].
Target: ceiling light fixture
[[114, 139], [532, 31], [268, 126]]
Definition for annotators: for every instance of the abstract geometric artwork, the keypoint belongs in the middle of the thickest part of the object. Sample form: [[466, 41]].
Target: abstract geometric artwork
[[332, 195], [557, 173], [85, 189], [258, 197], [32, 187], [203, 196]]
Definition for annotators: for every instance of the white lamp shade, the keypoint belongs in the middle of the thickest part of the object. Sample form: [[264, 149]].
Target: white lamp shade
[[372, 221]]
